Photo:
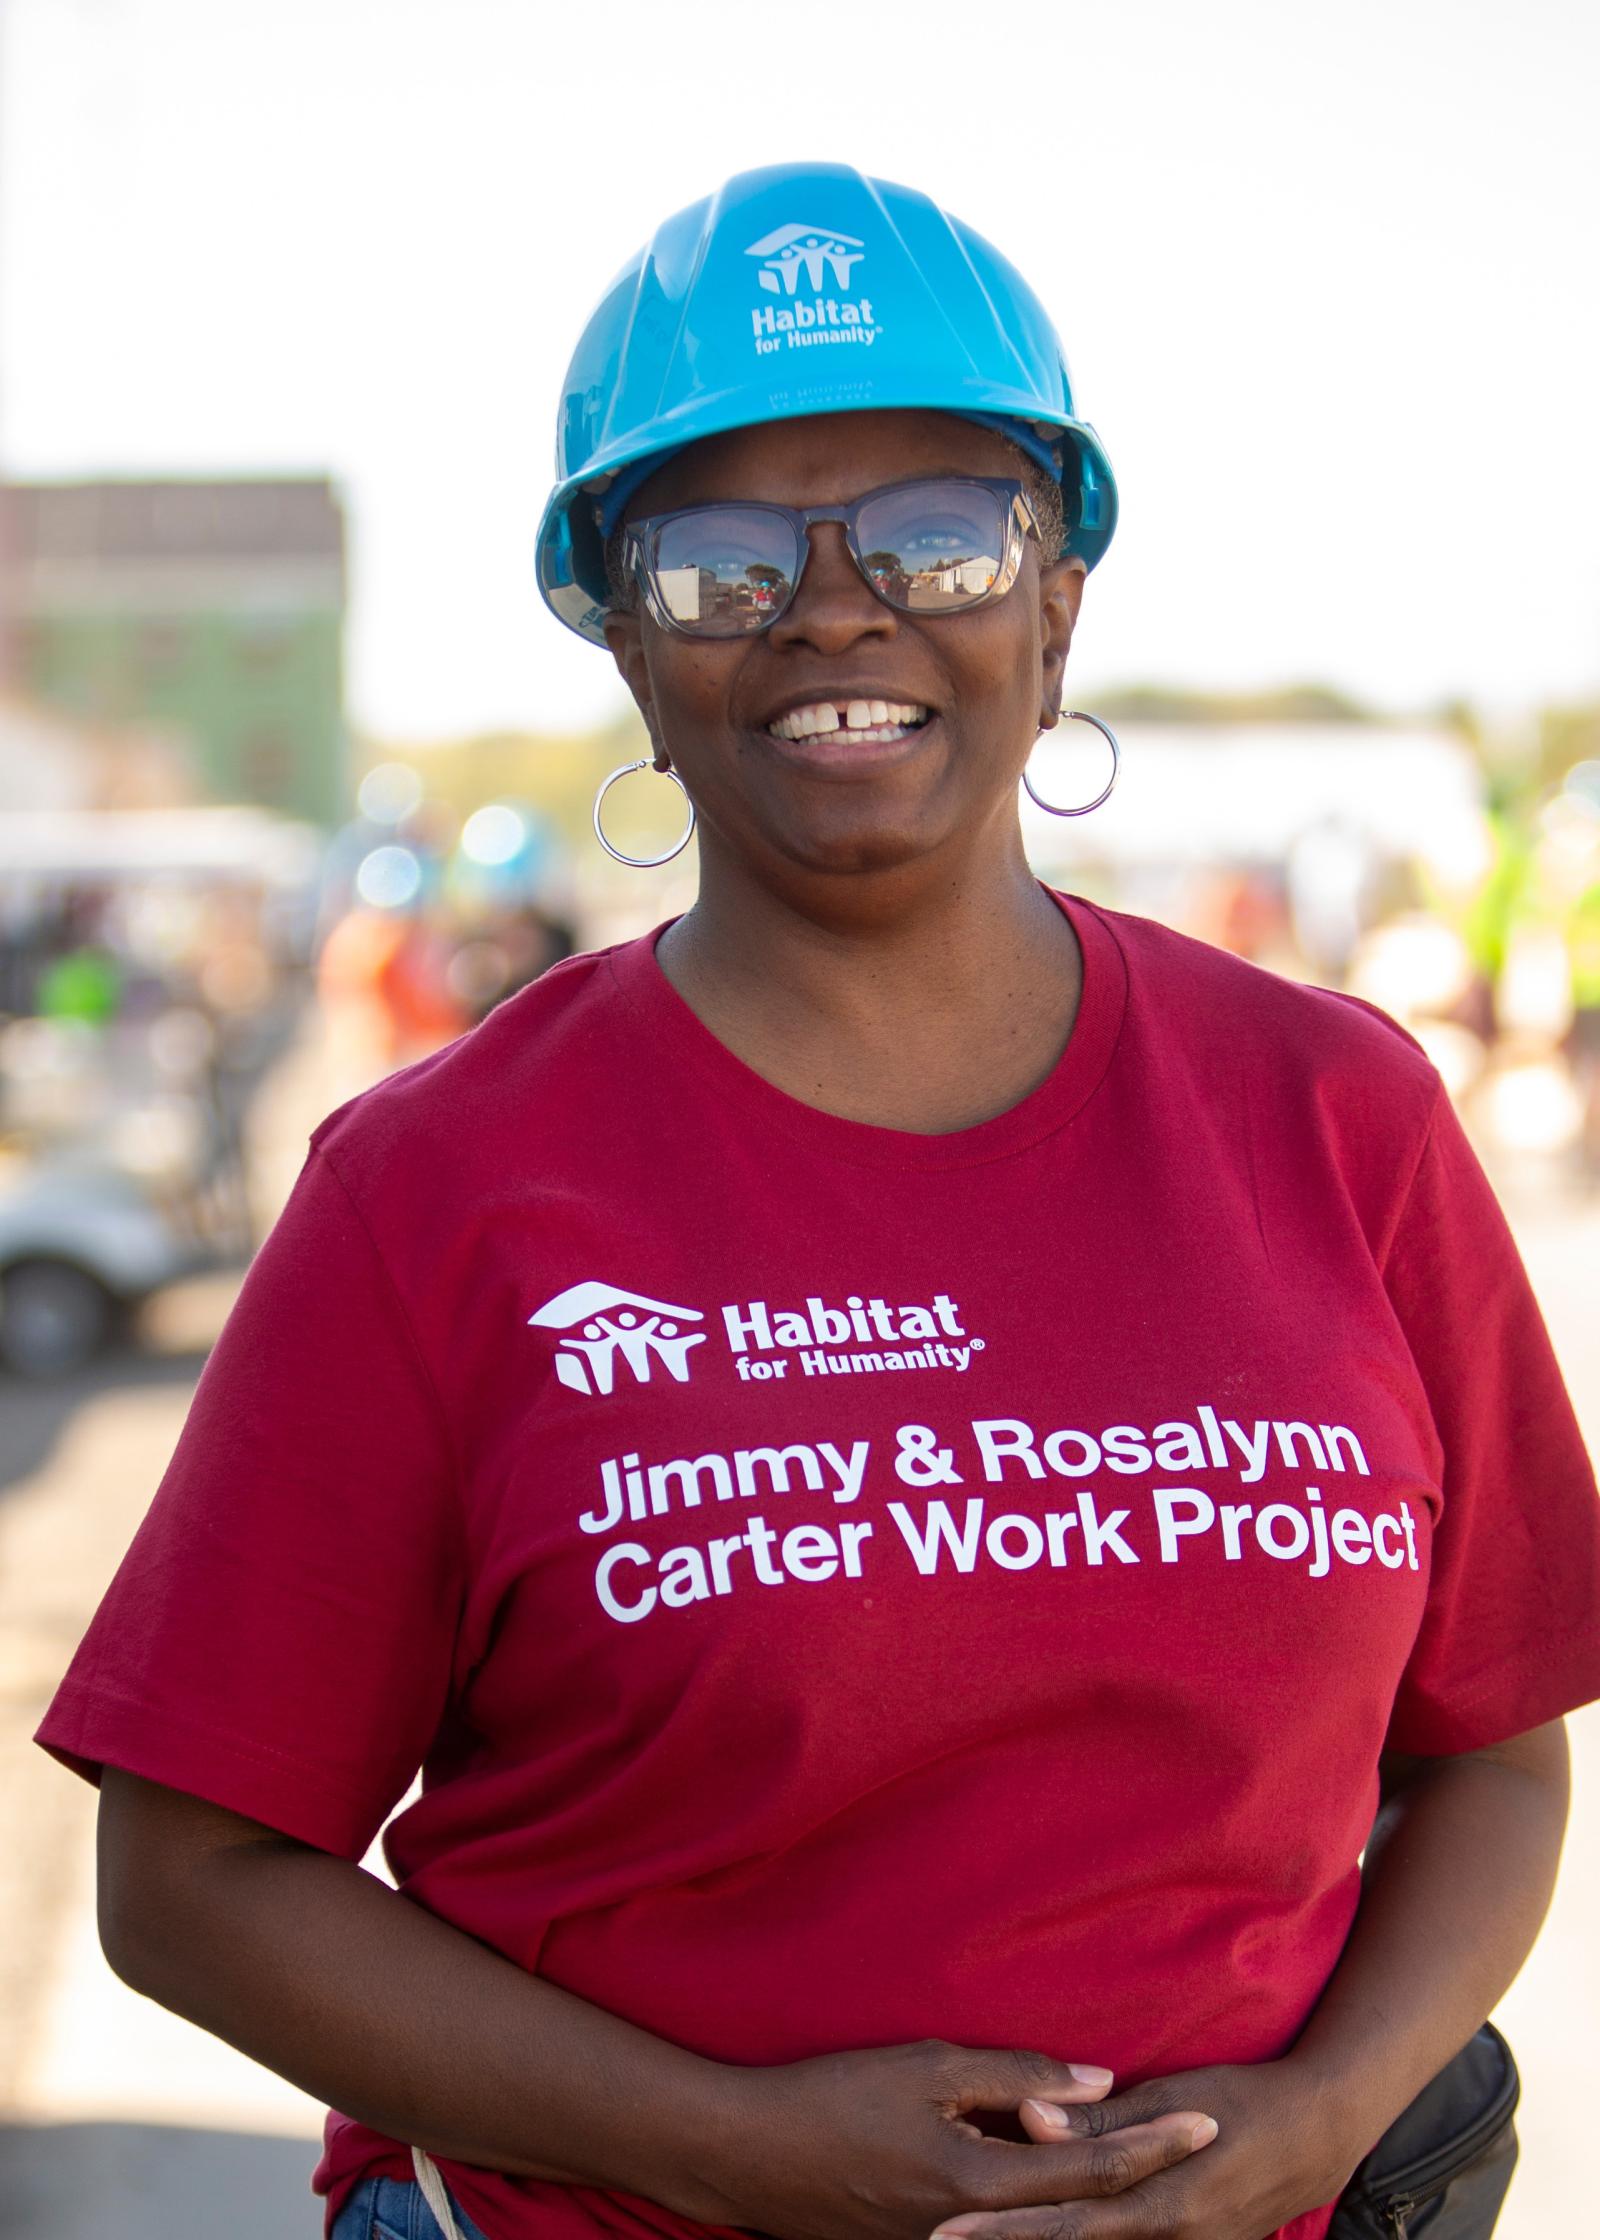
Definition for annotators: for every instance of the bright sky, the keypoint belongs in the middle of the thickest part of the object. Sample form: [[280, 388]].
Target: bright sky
[[1329, 279]]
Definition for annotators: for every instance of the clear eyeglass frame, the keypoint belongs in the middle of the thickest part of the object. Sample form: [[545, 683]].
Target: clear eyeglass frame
[[642, 541]]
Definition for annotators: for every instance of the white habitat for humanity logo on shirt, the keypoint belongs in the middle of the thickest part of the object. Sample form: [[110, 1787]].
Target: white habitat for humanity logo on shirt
[[615, 1325], [822, 258]]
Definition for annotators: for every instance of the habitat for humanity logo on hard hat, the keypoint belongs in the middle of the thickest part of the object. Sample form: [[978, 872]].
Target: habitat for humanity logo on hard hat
[[821, 258], [613, 1326]]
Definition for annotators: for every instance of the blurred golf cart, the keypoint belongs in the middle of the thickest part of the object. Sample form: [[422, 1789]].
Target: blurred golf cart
[[150, 970]]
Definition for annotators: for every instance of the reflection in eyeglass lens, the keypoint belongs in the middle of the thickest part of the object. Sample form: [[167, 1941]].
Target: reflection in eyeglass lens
[[725, 569], [938, 545]]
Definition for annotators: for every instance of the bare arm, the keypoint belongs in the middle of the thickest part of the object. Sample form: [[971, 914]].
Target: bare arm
[[326, 1975], [1457, 1881]]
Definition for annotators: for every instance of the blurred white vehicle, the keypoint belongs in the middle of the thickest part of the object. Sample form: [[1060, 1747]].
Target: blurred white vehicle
[[81, 1245]]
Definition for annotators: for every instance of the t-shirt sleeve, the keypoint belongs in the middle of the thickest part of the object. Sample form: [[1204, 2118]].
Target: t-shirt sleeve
[[279, 1638], [1510, 1635]]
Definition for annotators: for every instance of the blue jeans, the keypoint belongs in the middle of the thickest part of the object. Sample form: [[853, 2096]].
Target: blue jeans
[[393, 2209]]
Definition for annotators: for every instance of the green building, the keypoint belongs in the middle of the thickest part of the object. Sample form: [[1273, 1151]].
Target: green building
[[209, 612]]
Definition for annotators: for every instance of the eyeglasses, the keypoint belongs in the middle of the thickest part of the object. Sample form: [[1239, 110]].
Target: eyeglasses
[[938, 546]]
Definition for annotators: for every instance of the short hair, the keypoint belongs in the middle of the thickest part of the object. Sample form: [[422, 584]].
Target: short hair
[[1044, 493], [619, 583], [1048, 500]]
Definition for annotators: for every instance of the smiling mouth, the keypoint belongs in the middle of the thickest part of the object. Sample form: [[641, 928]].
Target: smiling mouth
[[831, 723]]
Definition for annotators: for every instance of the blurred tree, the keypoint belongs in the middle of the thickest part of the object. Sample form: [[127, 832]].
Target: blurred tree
[[1461, 717], [1568, 735], [1296, 703], [557, 775]]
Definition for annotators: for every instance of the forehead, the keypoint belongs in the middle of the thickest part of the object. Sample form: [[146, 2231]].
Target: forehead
[[823, 459]]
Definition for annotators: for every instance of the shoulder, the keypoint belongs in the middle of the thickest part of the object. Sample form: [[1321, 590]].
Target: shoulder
[[538, 1056], [1301, 1049]]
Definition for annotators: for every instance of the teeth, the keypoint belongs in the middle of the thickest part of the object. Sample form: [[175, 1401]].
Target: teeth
[[822, 716]]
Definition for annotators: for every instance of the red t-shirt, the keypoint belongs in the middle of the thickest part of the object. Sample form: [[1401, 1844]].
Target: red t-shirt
[[844, 1586]]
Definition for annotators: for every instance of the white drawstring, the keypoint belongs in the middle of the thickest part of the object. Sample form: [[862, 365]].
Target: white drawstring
[[434, 2194]]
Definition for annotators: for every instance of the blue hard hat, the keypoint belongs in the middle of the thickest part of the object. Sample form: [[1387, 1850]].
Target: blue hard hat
[[803, 288]]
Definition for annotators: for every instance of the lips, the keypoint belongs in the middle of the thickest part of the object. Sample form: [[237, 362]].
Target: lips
[[863, 722]]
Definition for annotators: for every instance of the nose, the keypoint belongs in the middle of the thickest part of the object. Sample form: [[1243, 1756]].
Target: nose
[[833, 605]]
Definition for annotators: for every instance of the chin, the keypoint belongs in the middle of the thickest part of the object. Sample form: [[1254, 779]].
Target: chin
[[859, 844]]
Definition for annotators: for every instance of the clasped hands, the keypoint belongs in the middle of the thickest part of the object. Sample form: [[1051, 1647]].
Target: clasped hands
[[882, 2145]]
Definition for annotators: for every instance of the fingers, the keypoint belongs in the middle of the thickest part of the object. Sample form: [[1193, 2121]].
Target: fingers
[[1130, 2216], [982, 2077], [1053, 2126], [1144, 2103], [1012, 2180]]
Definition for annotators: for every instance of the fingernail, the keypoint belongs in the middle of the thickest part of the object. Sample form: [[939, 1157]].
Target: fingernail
[[953, 2232], [1086, 2073], [1054, 2119], [1204, 2132]]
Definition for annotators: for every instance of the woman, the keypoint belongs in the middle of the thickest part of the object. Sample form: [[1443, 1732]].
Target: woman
[[899, 1453]]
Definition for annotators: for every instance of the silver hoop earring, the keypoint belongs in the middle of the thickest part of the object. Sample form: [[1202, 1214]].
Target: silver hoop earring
[[1077, 715], [642, 863]]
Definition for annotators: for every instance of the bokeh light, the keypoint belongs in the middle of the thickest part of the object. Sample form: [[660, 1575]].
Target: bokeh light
[[494, 834], [390, 792], [389, 878]]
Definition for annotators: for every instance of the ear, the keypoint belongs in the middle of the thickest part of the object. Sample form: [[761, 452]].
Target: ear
[[1060, 595], [624, 631]]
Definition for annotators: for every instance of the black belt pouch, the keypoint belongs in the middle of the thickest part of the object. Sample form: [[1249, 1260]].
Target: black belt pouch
[[1441, 2170]]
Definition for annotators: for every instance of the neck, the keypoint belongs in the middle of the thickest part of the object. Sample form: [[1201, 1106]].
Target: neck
[[907, 998]]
